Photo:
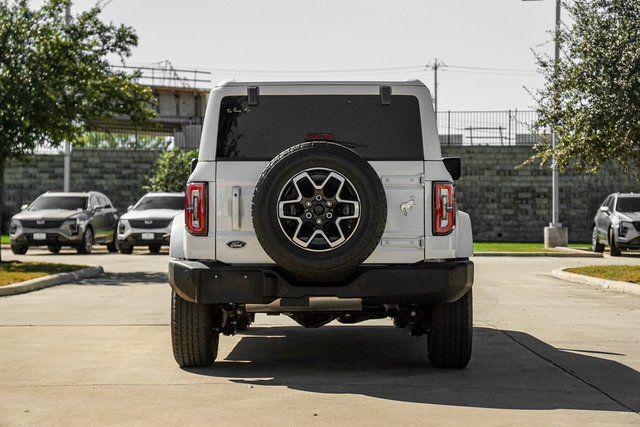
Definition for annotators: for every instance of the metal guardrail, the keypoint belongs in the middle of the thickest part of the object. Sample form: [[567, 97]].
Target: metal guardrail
[[506, 127], [164, 74], [467, 128]]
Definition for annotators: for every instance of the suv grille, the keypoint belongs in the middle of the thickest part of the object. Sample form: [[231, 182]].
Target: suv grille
[[149, 223], [42, 223]]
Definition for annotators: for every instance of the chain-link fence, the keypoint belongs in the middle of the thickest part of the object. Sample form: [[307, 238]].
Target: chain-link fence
[[510, 127]]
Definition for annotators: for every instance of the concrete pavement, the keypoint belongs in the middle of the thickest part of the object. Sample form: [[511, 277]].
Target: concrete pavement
[[545, 352]]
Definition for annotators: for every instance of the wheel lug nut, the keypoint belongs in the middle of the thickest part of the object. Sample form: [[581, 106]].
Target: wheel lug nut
[[308, 203], [318, 197], [329, 203], [308, 215], [318, 221], [328, 215]]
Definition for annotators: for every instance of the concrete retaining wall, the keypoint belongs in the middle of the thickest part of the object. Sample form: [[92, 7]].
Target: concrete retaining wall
[[120, 174], [509, 204]]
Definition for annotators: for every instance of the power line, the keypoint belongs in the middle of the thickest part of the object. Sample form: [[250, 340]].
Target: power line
[[490, 73], [425, 67], [353, 70], [469, 67]]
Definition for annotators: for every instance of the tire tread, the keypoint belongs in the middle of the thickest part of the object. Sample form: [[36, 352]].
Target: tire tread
[[195, 343], [451, 333]]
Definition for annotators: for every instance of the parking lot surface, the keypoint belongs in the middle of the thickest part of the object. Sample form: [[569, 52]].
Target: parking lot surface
[[98, 352]]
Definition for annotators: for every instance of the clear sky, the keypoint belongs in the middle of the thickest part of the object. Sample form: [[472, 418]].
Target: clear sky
[[351, 34]]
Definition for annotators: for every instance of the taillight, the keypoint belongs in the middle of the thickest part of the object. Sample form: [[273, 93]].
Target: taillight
[[444, 208], [195, 208], [320, 137]]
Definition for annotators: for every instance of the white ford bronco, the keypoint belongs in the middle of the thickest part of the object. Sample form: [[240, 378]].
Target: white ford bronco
[[321, 201]]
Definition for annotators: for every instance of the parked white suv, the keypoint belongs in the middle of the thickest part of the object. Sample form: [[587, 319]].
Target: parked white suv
[[148, 222], [617, 224], [322, 201]]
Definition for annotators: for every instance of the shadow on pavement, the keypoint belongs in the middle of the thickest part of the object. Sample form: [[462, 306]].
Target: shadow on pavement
[[126, 279], [509, 369]]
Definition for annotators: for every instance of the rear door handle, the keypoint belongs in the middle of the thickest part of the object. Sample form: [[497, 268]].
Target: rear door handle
[[235, 208]]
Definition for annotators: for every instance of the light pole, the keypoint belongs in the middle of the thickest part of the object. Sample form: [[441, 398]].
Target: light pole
[[67, 144], [555, 234]]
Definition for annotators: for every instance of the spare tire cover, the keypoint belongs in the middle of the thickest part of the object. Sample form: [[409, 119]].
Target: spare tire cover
[[319, 210]]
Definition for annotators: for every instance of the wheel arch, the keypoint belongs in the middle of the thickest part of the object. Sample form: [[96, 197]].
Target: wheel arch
[[176, 244]]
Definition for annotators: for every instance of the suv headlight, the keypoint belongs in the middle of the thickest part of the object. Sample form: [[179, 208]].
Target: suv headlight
[[14, 226], [72, 224], [623, 228], [122, 225]]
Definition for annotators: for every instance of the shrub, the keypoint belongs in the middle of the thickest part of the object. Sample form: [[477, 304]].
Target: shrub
[[171, 171]]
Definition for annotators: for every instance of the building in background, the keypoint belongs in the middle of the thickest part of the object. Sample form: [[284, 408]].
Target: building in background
[[181, 96]]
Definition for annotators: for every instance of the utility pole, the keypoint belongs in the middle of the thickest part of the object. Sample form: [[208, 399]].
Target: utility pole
[[555, 193], [555, 234], [67, 144], [435, 67]]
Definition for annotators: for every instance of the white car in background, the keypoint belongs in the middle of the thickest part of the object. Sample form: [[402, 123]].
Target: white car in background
[[148, 222]]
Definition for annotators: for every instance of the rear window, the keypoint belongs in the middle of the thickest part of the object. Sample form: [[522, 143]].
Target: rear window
[[360, 122]]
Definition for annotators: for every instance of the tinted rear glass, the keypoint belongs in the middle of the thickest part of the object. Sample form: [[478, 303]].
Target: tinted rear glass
[[160, 202], [67, 203], [628, 204], [361, 122]]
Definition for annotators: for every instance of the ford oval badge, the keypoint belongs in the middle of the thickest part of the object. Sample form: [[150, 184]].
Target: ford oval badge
[[236, 244]]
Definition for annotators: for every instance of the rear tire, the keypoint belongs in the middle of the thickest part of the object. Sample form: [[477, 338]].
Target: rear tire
[[54, 249], [596, 246], [451, 333], [19, 249], [125, 249], [614, 250], [112, 246], [155, 249], [194, 340]]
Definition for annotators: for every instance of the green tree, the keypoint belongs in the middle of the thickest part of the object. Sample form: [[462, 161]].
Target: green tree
[[171, 171], [591, 98], [55, 78]]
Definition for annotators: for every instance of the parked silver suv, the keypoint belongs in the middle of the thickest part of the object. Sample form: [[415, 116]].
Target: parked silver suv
[[148, 223], [79, 220], [617, 224]]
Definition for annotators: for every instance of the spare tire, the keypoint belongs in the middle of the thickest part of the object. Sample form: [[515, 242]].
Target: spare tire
[[319, 210]]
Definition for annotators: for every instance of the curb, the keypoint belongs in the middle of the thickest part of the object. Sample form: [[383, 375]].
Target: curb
[[559, 254], [604, 284], [52, 280]]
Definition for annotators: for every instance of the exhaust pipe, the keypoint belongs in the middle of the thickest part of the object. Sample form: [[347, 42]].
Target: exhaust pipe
[[312, 304]]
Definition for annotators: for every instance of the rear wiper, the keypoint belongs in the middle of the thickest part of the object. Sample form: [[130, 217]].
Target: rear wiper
[[351, 144]]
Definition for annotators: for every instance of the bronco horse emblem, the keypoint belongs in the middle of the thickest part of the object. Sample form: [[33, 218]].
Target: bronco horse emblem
[[408, 205]]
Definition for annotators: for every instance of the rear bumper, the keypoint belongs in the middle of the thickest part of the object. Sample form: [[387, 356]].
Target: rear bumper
[[422, 283]]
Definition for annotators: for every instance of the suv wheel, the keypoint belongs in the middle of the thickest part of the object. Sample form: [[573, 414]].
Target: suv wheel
[[614, 250], [86, 245], [112, 246], [54, 249], [193, 337], [319, 210], [123, 248], [596, 246], [451, 333], [19, 249]]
